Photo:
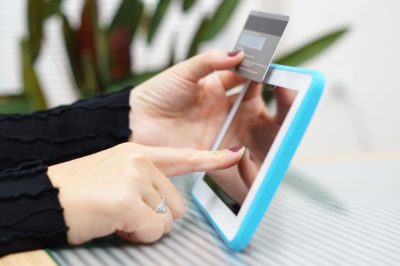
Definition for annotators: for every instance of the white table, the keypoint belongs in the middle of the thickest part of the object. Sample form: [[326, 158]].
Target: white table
[[327, 212]]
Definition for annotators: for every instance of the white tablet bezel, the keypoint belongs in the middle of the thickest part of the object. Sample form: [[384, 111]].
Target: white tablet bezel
[[222, 216]]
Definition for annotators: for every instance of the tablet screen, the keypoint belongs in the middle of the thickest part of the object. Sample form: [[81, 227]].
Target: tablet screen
[[231, 185]]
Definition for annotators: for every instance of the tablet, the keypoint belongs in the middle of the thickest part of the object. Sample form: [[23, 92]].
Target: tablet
[[235, 199]]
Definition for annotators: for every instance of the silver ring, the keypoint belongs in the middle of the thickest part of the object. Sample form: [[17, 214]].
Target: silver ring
[[162, 206]]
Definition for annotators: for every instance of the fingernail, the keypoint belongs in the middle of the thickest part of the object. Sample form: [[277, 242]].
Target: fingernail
[[245, 153], [236, 148], [234, 53]]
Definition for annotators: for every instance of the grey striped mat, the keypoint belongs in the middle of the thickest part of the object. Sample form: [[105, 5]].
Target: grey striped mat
[[341, 214]]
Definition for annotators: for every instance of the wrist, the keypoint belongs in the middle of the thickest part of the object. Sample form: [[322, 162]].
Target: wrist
[[55, 175], [77, 211], [140, 122], [131, 118]]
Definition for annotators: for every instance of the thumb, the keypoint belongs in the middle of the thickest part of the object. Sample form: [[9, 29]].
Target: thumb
[[203, 64], [247, 169], [179, 161]]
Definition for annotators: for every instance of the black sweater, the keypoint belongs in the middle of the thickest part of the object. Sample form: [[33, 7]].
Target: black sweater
[[31, 216]]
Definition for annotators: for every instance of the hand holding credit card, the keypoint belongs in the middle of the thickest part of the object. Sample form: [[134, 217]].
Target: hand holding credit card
[[236, 199]]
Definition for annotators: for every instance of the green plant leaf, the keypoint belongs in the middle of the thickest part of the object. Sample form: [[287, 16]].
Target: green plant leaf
[[71, 47], [172, 54], [128, 15], [120, 35], [142, 77], [90, 85], [304, 53], [38, 11], [15, 104], [119, 44], [197, 39], [158, 15], [53, 7], [87, 48], [311, 49], [103, 59], [32, 88], [210, 27], [187, 4], [134, 79], [144, 24], [36, 16], [220, 18]]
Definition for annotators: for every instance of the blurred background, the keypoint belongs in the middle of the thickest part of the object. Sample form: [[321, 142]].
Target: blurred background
[[53, 52]]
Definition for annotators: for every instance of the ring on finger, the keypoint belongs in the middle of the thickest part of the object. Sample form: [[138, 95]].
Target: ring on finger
[[162, 206]]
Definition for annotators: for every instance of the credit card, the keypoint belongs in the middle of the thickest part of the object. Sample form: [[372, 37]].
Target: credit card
[[259, 39]]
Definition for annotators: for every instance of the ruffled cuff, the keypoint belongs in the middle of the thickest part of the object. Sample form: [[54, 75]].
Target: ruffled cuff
[[31, 214]]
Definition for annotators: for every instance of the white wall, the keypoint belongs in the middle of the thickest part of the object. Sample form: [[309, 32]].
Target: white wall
[[360, 108], [358, 111]]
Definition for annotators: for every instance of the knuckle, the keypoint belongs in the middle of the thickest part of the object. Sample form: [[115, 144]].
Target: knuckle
[[133, 174], [168, 225], [131, 151], [151, 233], [158, 229], [125, 201], [129, 174], [142, 184], [212, 54], [180, 210], [187, 152], [128, 211], [190, 156], [125, 147], [147, 189], [137, 158]]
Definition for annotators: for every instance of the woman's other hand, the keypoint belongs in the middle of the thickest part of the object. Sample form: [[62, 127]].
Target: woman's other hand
[[185, 105], [117, 190], [255, 125]]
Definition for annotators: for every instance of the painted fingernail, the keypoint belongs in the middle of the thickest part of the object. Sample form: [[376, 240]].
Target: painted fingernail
[[236, 148], [233, 53]]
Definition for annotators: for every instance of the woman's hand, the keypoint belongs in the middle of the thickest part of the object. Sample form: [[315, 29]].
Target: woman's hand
[[185, 105], [256, 127], [116, 190]]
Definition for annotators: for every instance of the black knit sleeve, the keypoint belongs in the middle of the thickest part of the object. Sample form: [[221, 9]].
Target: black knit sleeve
[[65, 132], [30, 213], [31, 216]]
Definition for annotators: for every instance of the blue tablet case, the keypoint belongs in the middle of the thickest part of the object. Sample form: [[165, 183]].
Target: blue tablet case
[[280, 163]]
